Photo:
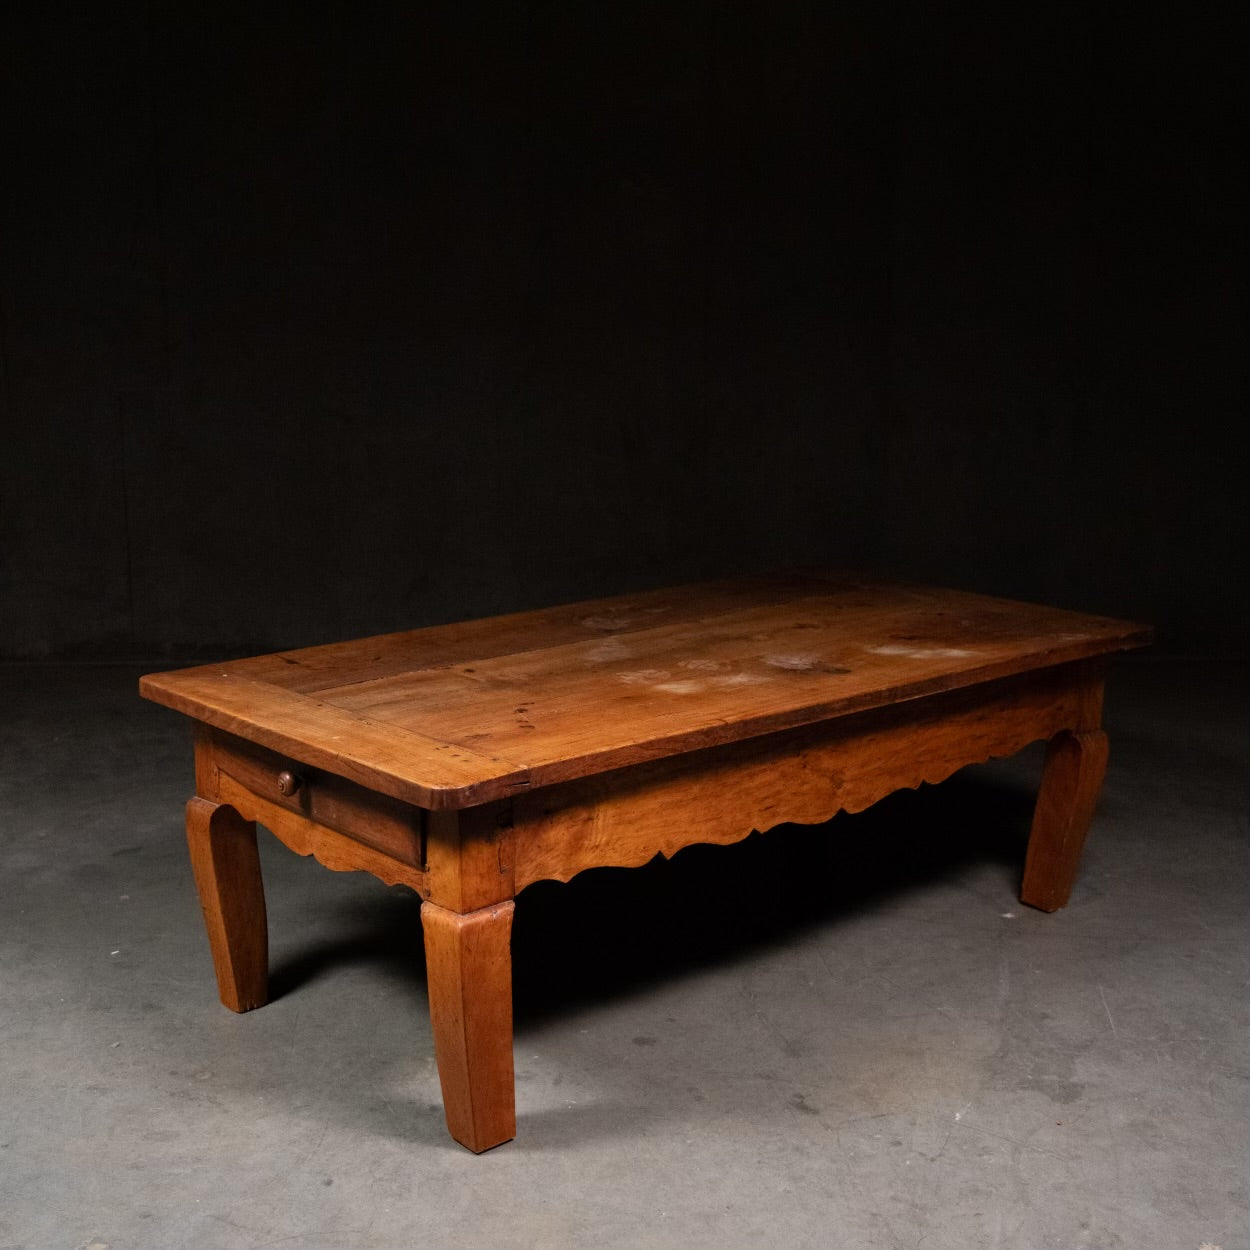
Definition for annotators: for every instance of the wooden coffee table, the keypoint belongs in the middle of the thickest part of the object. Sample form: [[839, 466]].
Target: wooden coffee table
[[468, 761]]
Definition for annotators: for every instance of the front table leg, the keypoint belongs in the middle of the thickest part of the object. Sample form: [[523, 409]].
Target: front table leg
[[1071, 779], [469, 965], [232, 897]]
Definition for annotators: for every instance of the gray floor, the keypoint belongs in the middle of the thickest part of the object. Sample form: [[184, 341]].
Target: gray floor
[[847, 1036]]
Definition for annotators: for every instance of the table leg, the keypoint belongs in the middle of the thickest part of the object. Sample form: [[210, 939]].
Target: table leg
[[232, 896], [1071, 779], [469, 964]]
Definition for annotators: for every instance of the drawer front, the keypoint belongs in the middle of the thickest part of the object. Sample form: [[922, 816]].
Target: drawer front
[[377, 820]]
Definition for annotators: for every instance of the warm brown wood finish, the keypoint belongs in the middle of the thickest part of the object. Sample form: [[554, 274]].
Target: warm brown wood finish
[[232, 897], [1071, 779], [804, 776], [462, 715], [470, 857], [386, 758], [469, 965], [392, 827], [468, 761]]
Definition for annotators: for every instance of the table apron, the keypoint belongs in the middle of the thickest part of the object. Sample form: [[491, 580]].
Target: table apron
[[805, 776], [342, 824], [478, 856]]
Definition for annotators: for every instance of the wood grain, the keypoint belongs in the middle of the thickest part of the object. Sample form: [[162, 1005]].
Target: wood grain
[[232, 898], [1071, 779], [461, 642], [379, 821], [570, 710], [625, 818], [469, 761], [387, 758], [470, 857], [457, 716], [328, 847], [469, 964]]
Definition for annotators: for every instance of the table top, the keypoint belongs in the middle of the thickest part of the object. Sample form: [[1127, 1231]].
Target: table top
[[456, 715]]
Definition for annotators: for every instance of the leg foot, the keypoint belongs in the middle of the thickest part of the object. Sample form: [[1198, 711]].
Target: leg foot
[[469, 964], [1071, 779], [232, 897]]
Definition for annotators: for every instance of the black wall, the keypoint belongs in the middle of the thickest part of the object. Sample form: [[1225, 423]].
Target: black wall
[[316, 325]]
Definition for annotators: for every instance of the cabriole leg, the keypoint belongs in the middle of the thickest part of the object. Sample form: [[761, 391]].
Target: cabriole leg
[[469, 964], [232, 897], [1071, 779]]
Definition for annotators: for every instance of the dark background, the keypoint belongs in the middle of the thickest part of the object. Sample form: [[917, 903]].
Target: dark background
[[322, 322]]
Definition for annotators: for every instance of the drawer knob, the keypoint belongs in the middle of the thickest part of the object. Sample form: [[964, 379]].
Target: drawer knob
[[288, 782]]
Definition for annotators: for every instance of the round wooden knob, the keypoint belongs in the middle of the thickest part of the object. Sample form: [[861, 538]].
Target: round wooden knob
[[288, 783]]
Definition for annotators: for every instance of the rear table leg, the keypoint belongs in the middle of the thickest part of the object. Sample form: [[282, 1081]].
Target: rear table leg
[[1071, 779], [232, 897], [469, 964]]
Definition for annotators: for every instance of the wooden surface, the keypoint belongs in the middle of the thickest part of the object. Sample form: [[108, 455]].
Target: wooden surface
[[1071, 779], [468, 761], [804, 776], [468, 963], [458, 715], [232, 898], [324, 799]]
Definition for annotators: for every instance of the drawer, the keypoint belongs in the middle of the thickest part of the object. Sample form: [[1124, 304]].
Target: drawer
[[233, 764]]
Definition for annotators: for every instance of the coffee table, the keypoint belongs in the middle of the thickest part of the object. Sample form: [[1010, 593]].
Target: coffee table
[[468, 761]]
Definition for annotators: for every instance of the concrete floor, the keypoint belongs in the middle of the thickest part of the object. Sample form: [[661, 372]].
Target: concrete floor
[[844, 1036]]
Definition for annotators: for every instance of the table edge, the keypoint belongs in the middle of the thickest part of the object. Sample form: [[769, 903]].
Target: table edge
[[469, 779]]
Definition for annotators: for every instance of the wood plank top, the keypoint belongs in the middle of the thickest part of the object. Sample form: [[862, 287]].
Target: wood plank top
[[456, 715]]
